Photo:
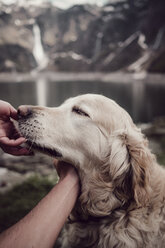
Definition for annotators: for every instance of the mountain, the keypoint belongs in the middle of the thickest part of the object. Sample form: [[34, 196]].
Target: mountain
[[126, 35]]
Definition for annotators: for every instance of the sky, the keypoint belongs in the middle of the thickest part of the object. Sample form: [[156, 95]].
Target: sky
[[59, 3]]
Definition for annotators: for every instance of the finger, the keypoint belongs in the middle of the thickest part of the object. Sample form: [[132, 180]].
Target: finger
[[24, 151], [57, 166], [17, 151], [12, 142], [7, 110], [16, 135], [55, 163], [13, 113]]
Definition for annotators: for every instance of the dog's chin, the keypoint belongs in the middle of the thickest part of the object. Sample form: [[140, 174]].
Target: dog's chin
[[43, 149]]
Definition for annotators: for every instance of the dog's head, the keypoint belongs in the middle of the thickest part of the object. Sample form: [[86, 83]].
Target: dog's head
[[99, 138]]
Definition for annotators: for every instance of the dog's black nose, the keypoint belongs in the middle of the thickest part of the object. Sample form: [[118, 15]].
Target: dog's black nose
[[24, 111]]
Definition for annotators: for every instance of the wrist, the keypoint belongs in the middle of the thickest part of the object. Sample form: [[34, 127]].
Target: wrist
[[70, 181]]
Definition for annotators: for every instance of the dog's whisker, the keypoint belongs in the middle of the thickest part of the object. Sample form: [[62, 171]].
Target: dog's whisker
[[31, 145]]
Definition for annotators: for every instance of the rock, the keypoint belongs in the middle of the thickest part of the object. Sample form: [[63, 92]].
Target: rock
[[102, 38], [10, 178], [157, 63], [155, 132], [157, 128], [65, 30], [16, 58], [69, 62], [39, 163], [16, 39], [16, 169], [121, 58]]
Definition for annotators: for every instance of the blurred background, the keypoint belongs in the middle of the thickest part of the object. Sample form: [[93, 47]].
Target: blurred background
[[52, 50]]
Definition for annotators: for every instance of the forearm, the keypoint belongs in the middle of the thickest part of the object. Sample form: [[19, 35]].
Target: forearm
[[42, 225]]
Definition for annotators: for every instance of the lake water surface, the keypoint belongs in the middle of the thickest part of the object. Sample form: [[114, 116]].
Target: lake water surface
[[143, 98]]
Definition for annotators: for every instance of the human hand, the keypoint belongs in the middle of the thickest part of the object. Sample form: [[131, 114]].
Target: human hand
[[66, 170], [10, 139]]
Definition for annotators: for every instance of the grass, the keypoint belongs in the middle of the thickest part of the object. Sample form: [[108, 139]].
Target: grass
[[161, 159], [16, 203]]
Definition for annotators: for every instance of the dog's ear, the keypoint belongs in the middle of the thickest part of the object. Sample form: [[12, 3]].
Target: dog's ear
[[122, 179], [132, 172], [141, 161]]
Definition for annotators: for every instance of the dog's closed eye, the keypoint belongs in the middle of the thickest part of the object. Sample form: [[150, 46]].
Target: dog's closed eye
[[79, 111]]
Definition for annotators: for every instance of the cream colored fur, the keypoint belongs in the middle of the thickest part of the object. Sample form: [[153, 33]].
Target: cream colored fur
[[122, 198]]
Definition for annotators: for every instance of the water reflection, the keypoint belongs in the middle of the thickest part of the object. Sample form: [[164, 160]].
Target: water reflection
[[18, 93], [144, 99], [41, 92]]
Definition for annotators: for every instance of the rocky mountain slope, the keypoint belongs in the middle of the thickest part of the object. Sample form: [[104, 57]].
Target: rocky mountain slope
[[123, 35]]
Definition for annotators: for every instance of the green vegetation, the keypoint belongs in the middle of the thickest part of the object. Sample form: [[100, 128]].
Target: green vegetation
[[16, 203], [161, 159]]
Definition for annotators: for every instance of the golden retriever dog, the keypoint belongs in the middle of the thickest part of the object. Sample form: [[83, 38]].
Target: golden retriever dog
[[122, 198]]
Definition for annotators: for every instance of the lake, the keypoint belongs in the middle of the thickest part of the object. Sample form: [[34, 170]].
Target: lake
[[143, 96]]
